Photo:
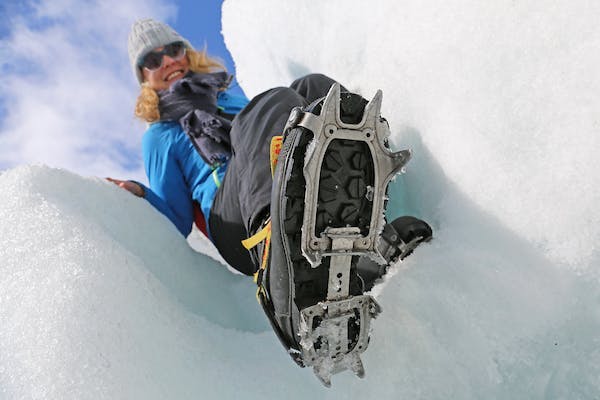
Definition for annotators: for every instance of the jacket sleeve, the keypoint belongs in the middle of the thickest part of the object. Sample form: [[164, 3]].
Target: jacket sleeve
[[230, 103], [168, 191]]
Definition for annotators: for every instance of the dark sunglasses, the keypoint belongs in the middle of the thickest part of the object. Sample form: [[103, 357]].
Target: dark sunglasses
[[153, 60]]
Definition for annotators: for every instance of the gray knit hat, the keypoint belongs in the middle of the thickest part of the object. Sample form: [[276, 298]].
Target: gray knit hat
[[146, 35]]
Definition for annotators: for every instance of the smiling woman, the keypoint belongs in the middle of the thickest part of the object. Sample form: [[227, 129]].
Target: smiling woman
[[156, 68]]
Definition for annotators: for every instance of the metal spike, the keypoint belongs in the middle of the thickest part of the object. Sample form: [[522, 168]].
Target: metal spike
[[399, 160], [324, 376], [357, 366], [373, 107], [332, 102]]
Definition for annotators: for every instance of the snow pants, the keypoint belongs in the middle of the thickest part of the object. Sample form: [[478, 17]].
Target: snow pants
[[244, 197]]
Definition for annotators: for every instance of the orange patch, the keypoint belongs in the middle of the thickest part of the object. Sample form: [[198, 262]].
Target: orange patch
[[276, 142]]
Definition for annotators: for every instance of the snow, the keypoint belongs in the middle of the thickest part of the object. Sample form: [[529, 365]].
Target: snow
[[100, 297]]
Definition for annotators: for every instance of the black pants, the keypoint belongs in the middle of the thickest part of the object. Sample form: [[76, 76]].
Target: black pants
[[244, 197]]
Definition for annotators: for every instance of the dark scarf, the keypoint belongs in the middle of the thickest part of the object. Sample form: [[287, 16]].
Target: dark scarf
[[192, 101]]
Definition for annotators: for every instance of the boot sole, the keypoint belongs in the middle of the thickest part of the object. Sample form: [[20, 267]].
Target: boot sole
[[336, 170]]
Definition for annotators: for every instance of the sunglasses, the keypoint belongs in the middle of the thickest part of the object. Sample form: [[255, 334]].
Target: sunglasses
[[153, 60]]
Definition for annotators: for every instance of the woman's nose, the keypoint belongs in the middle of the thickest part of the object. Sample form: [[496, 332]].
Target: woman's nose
[[167, 60]]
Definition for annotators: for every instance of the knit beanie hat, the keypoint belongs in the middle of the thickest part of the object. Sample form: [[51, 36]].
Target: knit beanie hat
[[146, 35]]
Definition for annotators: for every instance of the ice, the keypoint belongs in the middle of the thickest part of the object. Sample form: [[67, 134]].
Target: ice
[[100, 298]]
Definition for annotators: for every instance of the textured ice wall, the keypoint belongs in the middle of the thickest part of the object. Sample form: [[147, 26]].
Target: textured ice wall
[[101, 298]]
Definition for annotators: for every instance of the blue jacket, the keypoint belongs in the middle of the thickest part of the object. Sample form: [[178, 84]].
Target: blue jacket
[[177, 174]]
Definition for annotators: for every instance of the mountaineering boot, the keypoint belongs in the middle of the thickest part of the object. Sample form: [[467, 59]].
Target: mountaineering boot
[[327, 212]]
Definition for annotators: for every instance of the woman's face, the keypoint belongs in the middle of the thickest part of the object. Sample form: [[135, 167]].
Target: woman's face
[[171, 70]]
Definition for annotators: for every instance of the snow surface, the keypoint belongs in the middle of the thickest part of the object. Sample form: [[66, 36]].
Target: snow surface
[[100, 298]]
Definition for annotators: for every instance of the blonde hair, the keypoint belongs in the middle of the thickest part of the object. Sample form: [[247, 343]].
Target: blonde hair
[[146, 106]]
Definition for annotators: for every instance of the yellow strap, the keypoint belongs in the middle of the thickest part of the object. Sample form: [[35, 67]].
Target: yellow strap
[[258, 237], [265, 233], [261, 235], [265, 257]]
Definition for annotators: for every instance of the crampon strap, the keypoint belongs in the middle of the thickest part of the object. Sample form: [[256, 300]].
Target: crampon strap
[[264, 234]]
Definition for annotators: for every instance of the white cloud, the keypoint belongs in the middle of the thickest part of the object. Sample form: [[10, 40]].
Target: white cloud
[[68, 87]]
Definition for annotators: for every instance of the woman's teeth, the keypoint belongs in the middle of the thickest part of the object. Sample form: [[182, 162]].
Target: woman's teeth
[[173, 75]]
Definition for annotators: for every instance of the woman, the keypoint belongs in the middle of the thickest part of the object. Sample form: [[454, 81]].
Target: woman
[[191, 141], [156, 71], [207, 157]]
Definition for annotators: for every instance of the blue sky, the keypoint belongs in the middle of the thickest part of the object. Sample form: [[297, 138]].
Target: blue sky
[[67, 90]]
